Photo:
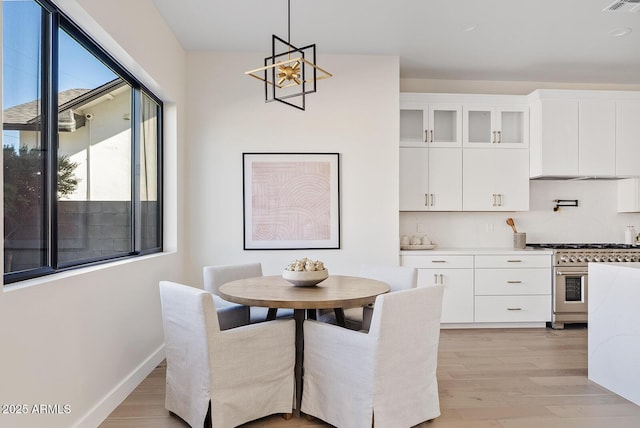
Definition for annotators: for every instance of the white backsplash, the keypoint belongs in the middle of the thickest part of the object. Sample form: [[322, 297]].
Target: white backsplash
[[594, 220]]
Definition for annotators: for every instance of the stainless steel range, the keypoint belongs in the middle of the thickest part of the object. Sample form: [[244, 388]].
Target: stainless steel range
[[570, 276]]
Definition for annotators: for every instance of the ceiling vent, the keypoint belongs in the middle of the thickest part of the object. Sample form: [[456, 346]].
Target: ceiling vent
[[623, 5]]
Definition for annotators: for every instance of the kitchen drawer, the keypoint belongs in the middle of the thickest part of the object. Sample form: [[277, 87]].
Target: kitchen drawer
[[512, 308], [513, 261], [513, 281], [435, 261]]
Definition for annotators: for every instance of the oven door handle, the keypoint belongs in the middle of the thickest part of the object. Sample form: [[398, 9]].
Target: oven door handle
[[559, 272]]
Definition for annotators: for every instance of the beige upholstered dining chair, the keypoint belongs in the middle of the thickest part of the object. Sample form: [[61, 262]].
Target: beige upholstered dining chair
[[231, 376], [398, 278], [215, 276], [388, 374]]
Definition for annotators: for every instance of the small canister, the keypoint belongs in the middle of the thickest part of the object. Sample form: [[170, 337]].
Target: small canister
[[519, 240], [629, 235]]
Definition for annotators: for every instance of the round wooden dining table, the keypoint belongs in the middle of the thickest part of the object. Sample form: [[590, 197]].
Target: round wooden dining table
[[336, 292]]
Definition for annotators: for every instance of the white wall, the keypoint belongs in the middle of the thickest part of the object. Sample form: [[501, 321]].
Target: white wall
[[85, 338], [354, 113]]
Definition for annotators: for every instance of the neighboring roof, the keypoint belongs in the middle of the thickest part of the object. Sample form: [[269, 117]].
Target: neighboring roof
[[24, 114], [27, 116]]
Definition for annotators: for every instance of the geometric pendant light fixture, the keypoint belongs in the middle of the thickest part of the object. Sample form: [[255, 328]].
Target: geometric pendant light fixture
[[290, 73]]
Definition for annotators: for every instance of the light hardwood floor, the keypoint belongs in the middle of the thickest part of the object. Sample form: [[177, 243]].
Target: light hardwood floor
[[509, 378]]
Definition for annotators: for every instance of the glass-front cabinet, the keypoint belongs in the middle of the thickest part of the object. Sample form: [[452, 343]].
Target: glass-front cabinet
[[494, 126], [432, 125]]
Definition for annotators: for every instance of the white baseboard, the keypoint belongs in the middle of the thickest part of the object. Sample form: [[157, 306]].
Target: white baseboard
[[108, 404]]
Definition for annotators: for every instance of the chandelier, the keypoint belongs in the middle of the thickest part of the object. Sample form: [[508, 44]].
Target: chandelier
[[290, 73]]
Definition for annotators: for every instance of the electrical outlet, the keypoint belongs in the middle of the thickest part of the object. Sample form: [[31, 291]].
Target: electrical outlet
[[419, 228]]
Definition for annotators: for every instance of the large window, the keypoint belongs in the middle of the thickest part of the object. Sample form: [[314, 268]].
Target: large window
[[81, 149]]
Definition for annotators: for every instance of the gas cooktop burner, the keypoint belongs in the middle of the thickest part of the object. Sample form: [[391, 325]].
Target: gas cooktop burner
[[581, 246]]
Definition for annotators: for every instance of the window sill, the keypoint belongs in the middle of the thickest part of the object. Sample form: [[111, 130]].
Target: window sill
[[80, 271]]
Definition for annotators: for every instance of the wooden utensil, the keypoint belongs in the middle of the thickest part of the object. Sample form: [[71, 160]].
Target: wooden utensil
[[511, 223]]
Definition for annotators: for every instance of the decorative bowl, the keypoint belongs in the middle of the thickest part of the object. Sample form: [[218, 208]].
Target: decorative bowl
[[305, 278]]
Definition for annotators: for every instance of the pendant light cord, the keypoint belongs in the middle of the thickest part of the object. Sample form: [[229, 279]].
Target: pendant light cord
[[289, 21]]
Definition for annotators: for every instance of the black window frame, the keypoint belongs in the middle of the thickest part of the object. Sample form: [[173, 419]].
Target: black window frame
[[53, 19]]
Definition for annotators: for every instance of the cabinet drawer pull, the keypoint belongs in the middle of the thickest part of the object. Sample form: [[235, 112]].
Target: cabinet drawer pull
[[438, 261], [514, 309], [514, 282], [514, 261]]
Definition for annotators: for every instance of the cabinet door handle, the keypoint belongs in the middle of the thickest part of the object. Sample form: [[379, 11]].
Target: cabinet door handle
[[433, 199], [426, 199], [514, 261], [514, 309], [426, 135], [435, 278], [441, 279], [494, 199], [432, 135], [494, 137], [514, 282], [499, 137], [500, 199]]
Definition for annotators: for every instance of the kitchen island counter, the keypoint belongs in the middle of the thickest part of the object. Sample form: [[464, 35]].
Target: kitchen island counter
[[614, 328]]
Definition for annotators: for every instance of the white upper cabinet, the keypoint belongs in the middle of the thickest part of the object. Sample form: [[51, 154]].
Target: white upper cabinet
[[414, 179], [430, 179], [628, 138], [554, 137], [436, 174], [445, 179], [428, 123], [629, 195], [597, 138], [495, 180], [584, 133], [486, 125]]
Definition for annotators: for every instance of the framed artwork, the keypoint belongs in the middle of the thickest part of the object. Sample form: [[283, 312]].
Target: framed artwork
[[291, 201]]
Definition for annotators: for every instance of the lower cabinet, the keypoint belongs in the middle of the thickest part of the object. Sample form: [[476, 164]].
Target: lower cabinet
[[457, 300], [495, 288], [512, 289], [456, 274]]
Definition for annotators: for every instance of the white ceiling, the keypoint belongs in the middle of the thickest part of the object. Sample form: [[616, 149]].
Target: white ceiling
[[519, 40]]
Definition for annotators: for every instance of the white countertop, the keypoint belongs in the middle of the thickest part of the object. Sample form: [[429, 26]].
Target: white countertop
[[472, 251], [628, 265]]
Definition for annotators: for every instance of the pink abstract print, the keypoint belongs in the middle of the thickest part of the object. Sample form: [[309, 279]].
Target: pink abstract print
[[291, 201]]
